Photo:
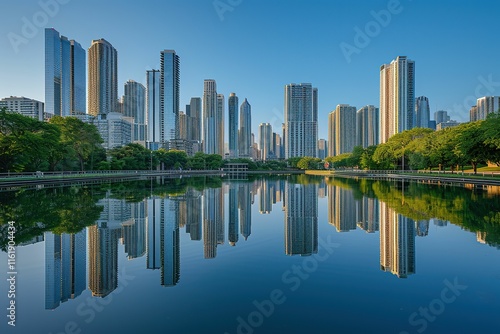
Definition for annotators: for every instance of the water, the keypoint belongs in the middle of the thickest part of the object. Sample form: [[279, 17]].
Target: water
[[272, 255]]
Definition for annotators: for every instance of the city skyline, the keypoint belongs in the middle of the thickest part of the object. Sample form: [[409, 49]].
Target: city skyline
[[342, 74]]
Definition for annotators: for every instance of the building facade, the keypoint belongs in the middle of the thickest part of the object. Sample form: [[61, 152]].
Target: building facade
[[169, 96], [245, 133], [266, 141], [301, 120], [487, 105], [24, 106], [397, 97], [422, 112], [153, 140], [367, 126], [134, 105], [233, 125]]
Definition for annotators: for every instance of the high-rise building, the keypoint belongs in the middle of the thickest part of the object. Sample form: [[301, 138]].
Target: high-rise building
[[233, 125], [322, 148], [24, 106], [220, 124], [331, 134], [193, 113], [153, 109], [487, 105], [213, 138], [277, 149], [473, 113], [441, 116], [367, 129], [169, 96], [344, 129], [397, 97], [422, 112], [182, 125], [266, 141], [65, 77], [245, 134], [134, 105], [103, 78], [301, 120]]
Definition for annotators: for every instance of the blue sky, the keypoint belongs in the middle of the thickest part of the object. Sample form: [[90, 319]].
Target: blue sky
[[255, 47]]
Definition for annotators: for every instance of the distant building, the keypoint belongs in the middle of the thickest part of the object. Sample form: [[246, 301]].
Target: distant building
[[473, 114], [422, 112], [103, 78], [169, 96], [115, 129], [213, 139], [153, 140], [233, 125], [487, 105], [367, 126], [134, 105], [277, 148], [397, 97], [193, 112], [65, 75], [441, 116], [448, 124], [24, 106], [245, 133], [322, 148], [344, 129], [220, 124], [182, 126], [266, 141]]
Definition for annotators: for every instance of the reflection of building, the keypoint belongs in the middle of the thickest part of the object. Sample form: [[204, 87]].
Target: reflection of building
[[422, 228], [193, 214], [439, 222], [65, 272], [154, 207], [213, 221], [481, 237], [368, 214], [245, 205], [301, 219], [103, 259], [170, 247], [134, 231], [397, 242], [341, 209], [266, 196], [233, 214]]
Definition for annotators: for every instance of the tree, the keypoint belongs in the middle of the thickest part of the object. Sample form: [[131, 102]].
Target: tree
[[470, 145]]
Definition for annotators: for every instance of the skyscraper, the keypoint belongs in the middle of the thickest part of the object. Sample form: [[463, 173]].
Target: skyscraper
[[169, 97], [344, 129], [397, 97], [193, 113], [65, 82], [331, 134], [322, 148], [301, 120], [213, 139], [266, 141], [220, 124], [422, 112], [487, 105], [134, 105], [441, 116], [245, 135], [233, 125], [367, 128], [103, 78], [153, 109]]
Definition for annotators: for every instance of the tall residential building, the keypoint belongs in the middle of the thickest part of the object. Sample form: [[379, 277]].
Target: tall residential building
[[24, 106], [103, 78], [331, 134], [422, 112], [441, 116], [322, 148], [220, 124], [473, 113], [213, 139], [266, 141], [277, 146], [397, 97], [301, 120], [233, 125], [487, 105], [169, 96], [65, 77], [153, 109], [367, 129], [193, 113], [344, 128], [245, 134], [134, 105], [182, 125]]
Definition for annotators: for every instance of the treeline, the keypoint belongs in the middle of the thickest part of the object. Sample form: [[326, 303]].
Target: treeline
[[469, 144], [27, 144]]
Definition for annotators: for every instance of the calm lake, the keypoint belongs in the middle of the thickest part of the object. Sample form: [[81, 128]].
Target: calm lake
[[293, 254]]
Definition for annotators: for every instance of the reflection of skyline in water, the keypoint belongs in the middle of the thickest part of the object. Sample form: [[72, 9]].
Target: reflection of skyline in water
[[152, 228]]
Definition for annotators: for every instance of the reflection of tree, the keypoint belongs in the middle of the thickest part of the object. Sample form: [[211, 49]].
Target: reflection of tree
[[61, 210], [474, 210]]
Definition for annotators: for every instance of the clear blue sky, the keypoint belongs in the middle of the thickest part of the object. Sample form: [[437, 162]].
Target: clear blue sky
[[255, 47]]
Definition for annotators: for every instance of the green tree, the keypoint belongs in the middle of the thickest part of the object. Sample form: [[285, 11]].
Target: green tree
[[470, 146]]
